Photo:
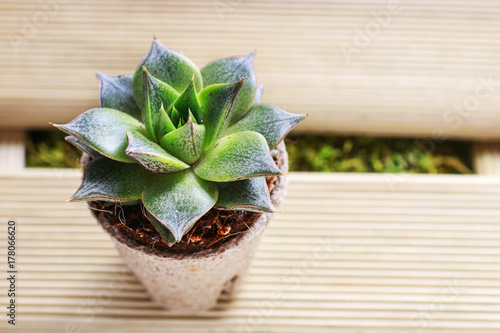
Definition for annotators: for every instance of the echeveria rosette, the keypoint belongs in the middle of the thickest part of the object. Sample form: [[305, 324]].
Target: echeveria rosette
[[180, 140]]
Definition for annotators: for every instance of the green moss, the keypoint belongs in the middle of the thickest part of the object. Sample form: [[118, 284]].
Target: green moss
[[328, 153], [49, 149]]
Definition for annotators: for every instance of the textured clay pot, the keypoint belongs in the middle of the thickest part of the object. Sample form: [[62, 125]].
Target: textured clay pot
[[187, 283]]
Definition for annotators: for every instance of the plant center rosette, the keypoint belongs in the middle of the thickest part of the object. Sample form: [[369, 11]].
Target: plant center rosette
[[180, 141]]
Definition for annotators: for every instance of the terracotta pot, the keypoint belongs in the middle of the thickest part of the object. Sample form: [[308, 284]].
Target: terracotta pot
[[188, 283]]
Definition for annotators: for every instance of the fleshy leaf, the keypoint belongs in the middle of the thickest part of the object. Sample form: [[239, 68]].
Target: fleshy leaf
[[112, 181], [81, 146], [237, 156], [168, 66], [185, 143], [268, 120], [179, 199], [230, 70], [165, 124], [157, 95], [104, 130], [165, 234], [115, 92], [193, 118], [122, 203], [151, 156], [188, 100], [250, 194], [258, 94], [217, 102], [175, 116]]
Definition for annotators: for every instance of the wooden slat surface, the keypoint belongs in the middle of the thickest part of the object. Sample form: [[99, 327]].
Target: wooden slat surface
[[12, 150], [346, 253], [486, 156], [406, 79]]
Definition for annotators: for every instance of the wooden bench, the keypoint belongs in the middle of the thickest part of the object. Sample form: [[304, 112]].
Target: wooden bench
[[347, 252], [368, 67]]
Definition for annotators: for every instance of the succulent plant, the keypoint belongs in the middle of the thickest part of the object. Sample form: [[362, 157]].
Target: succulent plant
[[180, 140]]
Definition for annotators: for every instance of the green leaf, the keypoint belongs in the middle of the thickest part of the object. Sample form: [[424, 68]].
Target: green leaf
[[258, 94], [122, 203], [104, 130], [165, 234], [230, 70], [157, 95], [112, 181], [115, 92], [268, 120], [188, 100], [193, 118], [151, 156], [81, 146], [165, 124], [217, 102], [168, 66], [237, 156], [185, 143], [250, 194], [179, 199], [175, 116]]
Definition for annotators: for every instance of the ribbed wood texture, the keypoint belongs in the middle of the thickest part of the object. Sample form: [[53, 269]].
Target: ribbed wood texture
[[487, 158], [347, 253], [418, 69], [12, 150]]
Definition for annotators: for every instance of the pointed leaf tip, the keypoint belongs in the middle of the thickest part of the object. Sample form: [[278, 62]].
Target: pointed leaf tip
[[108, 180], [162, 230], [150, 155], [237, 156], [268, 120], [169, 66], [104, 130], [232, 69], [177, 200], [188, 100], [249, 194], [156, 93], [186, 142], [218, 102]]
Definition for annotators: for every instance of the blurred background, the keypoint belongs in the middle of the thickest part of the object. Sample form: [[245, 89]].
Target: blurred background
[[389, 86]]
